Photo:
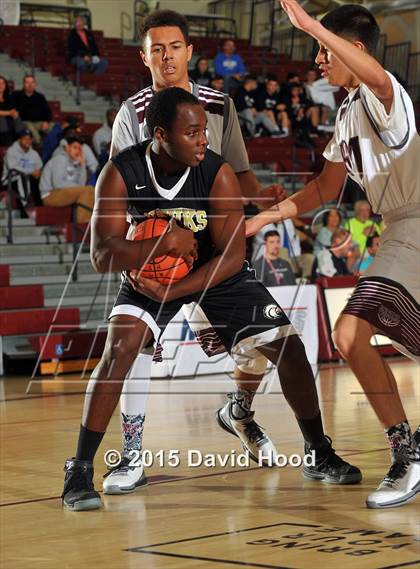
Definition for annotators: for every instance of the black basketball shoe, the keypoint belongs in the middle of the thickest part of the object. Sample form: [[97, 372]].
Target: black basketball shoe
[[329, 467], [79, 493]]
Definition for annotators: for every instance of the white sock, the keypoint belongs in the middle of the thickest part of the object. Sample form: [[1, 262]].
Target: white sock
[[133, 402]]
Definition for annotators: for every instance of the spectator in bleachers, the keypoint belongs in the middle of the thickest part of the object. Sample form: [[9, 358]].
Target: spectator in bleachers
[[64, 178], [271, 269], [56, 134], [289, 239], [10, 122], [372, 246], [303, 115], [89, 157], [361, 226], [84, 53], [102, 137], [338, 260], [331, 221], [293, 78], [229, 65], [201, 74], [218, 83], [245, 105], [273, 111], [33, 109], [22, 158], [321, 93]]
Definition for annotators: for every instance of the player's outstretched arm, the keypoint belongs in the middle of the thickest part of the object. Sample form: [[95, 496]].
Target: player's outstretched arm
[[110, 250], [317, 192], [354, 57]]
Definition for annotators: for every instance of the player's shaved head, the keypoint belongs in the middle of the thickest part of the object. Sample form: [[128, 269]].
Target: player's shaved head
[[354, 22], [163, 107]]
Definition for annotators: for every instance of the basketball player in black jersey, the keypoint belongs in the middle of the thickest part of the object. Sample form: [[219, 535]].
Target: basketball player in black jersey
[[174, 172]]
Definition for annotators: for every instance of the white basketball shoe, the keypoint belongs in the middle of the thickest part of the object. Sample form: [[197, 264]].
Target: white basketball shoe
[[123, 478], [402, 482], [254, 440]]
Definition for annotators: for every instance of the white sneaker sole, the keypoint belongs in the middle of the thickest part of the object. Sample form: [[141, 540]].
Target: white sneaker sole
[[394, 503], [116, 489]]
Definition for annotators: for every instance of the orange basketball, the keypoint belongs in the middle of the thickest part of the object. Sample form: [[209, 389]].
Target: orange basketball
[[166, 269]]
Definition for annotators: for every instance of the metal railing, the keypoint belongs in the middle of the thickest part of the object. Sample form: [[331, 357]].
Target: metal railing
[[62, 16], [413, 79], [13, 194], [396, 59], [36, 49]]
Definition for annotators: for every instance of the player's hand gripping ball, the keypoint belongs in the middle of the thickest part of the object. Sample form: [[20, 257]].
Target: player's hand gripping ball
[[168, 268]]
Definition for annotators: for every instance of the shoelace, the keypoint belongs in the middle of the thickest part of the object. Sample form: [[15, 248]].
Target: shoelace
[[78, 480], [253, 432], [123, 466], [330, 460], [395, 473]]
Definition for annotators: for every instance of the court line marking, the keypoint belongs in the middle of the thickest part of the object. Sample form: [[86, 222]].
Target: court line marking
[[143, 548], [216, 560]]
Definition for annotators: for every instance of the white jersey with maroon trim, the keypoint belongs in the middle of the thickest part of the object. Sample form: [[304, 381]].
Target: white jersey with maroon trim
[[380, 150], [224, 133]]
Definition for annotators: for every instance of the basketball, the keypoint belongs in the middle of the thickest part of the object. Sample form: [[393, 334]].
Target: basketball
[[165, 269]]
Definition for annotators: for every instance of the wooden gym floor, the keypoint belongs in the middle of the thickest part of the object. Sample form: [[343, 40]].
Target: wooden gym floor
[[202, 517]]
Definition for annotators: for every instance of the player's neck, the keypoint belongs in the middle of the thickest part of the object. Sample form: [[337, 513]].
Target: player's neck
[[183, 83], [352, 84], [163, 163]]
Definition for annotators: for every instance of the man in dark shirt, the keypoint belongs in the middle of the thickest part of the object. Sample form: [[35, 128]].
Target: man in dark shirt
[[33, 109], [270, 269], [245, 104], [270, 109], [84, 53]]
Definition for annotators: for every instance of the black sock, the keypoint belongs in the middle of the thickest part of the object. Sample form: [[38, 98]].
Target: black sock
[[88, 443], [312, 430]]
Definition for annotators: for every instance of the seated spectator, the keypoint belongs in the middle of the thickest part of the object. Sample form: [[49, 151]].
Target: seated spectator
[[89, 157], [56, 134], [336, 261], [303, 115], [84, 53], [321, 93], [33, 109], [27, 163], [245, 105], [10, 122], [229, 65], [289, 238], [102, 137], [293, 78], [361, 226], [372, 245], [218, 83], [270, 268], [201, 73], [271, 111], [331, 221], [63, 181]]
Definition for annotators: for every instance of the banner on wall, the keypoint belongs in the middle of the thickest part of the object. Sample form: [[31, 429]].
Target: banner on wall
[[183, 357]]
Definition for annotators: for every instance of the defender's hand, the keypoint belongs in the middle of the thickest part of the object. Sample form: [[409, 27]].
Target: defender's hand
[[270, 196]]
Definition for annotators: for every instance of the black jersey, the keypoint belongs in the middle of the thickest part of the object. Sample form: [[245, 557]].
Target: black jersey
[[184, 196]]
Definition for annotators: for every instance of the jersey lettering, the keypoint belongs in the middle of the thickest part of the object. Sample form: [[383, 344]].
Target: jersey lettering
[[195, 220], [352, 156]]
